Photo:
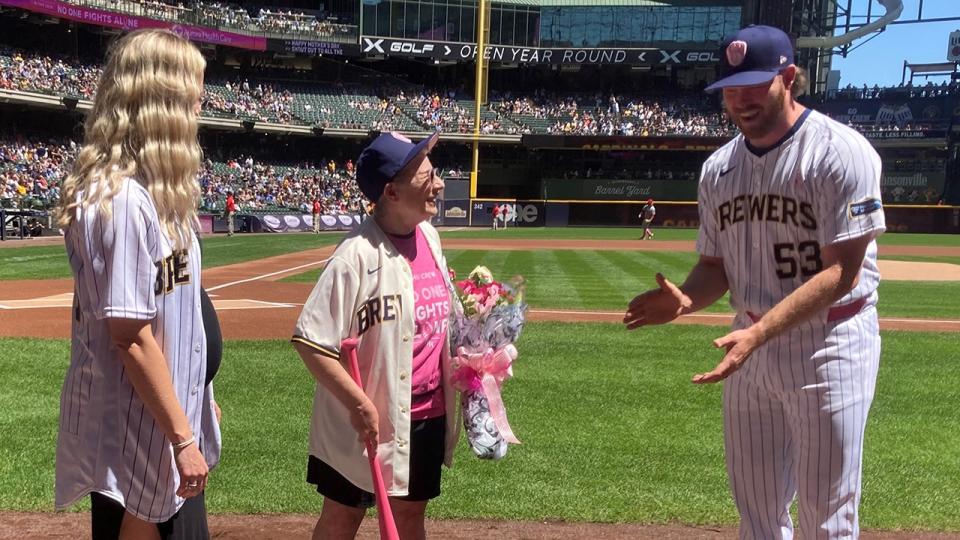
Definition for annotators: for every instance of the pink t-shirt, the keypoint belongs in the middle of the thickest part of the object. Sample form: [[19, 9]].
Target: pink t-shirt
[[431, 308]]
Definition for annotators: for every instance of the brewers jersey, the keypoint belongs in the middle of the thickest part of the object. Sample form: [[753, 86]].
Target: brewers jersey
[[124, 267], [366, 292], [795, 412]]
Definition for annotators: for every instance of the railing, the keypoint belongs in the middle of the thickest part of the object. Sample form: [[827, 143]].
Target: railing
[[232, 19]]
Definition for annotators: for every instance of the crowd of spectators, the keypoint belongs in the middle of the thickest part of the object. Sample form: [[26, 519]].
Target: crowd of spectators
[[280, 22], [56, 75], [448, 110], [263, 186], [264, 102], [440, 109], [31, 171], [908, 90]]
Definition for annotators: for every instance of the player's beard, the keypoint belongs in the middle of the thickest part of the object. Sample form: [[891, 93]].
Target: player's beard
[[768, 119]]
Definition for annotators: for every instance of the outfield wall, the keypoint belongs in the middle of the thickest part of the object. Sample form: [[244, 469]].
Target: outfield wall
[[670, 214]]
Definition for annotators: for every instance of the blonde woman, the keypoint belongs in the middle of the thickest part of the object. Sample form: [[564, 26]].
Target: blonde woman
[[134, 410]]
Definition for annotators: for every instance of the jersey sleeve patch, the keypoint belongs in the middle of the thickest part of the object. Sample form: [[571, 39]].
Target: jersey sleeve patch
[[863, 208]]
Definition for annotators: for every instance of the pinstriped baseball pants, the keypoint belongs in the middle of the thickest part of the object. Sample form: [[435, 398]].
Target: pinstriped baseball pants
[[794, 419]]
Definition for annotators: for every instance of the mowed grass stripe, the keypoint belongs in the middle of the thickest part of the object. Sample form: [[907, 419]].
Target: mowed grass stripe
[[633, 233], [50, 262], [607, 280], [589, 281], [919, 299], [612, 430], [34, 262]]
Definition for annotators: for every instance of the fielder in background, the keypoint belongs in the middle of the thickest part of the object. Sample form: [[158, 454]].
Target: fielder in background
[[316, 215], [789, 213], [387, 285], [134, 412], [231, 208], [647, 213], [496, 216]]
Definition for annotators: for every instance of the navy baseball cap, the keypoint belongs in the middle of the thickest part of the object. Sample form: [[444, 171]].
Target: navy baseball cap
[[754, 55], [385, 157]]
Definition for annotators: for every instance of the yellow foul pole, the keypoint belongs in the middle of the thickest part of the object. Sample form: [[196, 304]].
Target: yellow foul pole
[[480, 96]]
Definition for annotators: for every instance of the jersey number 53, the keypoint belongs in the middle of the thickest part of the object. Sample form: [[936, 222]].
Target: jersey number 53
[[792, 258]]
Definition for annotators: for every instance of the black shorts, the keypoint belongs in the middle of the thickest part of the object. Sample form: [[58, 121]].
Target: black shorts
[[426, 459], [189, 523]]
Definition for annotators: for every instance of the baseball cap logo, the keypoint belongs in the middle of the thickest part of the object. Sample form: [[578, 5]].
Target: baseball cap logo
[[736, 52], [783, 60]]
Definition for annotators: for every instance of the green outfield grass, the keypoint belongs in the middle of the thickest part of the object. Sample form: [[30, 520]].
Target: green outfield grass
[[608, 280], [50, 262], [633, 233], [612, 431], [570, 233], [935, 259]]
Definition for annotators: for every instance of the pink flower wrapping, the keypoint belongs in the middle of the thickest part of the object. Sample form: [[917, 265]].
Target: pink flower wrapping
[[482, 334]]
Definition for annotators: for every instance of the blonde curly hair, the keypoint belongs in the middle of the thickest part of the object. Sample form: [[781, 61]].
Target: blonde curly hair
[[143, 126]]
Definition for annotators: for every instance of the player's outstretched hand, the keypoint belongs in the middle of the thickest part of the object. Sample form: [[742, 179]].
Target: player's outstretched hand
[[739, 344], [193, 471], [656, 306], [366, 420]]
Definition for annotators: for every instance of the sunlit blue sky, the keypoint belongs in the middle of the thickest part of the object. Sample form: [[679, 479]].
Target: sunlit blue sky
[[880, 61]]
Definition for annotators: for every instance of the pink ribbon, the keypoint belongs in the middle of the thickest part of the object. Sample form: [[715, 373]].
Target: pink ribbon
[[486, 371]]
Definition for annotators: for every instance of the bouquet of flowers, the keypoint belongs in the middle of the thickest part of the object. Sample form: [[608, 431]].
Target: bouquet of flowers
[[489, 320]]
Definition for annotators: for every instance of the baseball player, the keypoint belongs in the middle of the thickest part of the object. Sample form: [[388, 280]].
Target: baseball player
[[387, 285], [231, 208], [316, 215], [137, 423], [647, 213], [789, 213], [496, 216]]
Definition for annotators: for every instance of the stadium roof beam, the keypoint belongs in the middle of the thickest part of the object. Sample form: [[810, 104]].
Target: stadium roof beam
[[894, 9]]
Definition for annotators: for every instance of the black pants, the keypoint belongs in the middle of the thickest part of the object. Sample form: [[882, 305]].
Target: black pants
[[190, 523]]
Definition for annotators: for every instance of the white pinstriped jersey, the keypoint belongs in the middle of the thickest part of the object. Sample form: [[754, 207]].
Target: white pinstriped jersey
[[795, 412], [768, 214], [124, 267]]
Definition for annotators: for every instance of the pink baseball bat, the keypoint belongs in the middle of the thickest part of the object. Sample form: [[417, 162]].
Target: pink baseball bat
[[388, 528]]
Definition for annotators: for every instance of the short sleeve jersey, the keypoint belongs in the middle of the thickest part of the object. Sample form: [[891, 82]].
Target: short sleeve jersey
[[768, 213]]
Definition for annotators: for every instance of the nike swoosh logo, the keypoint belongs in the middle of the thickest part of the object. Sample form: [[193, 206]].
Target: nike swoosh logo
[[375, 270], [724, 173]]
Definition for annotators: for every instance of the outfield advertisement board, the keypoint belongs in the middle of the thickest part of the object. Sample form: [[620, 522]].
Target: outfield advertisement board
[[622, 142], [465, 52], [278, 222], [892, 109], [111, 19], [602, 189], [912, 187], [519, 213]]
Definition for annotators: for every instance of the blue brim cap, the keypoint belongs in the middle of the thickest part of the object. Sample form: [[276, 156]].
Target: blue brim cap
[[744, 78], [754, 55], [422, 148], [386, 157]]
